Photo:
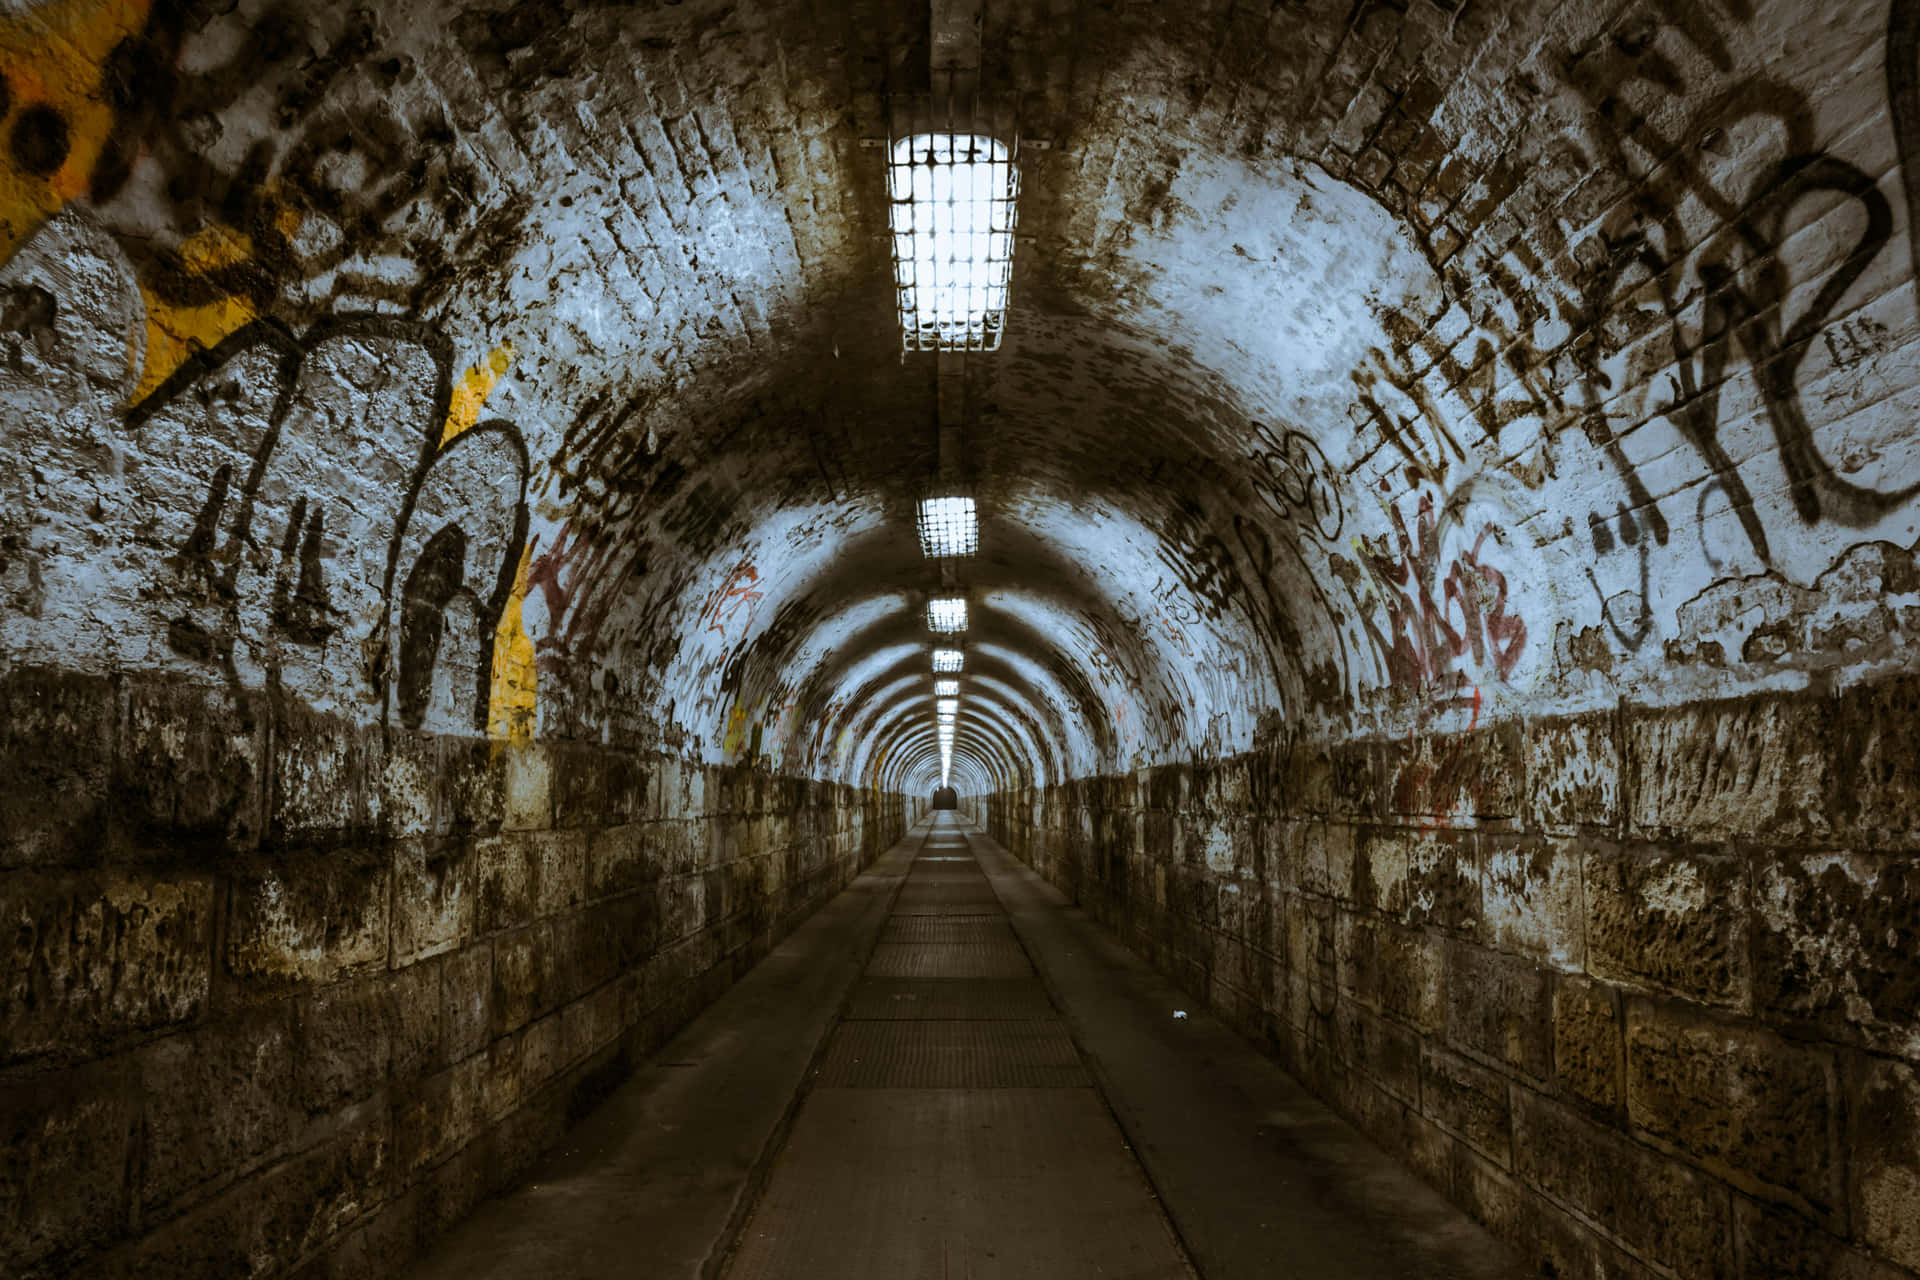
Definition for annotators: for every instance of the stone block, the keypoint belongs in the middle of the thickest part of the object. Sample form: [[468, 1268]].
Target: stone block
[[561, 857], [1385, 1051], [1542, 1233], [1452, 776], [1354, 790], [308, 917], [415, 1029], [1442, 885], [1305, 779], [523, 981], [345, 1044], [579, 783], [622, 858], [473, 787], [1323, 847], [1783, 1244], [56, 752], [626, 788], [190, 765], [433, 897], [1755, 767], [92, 956], [215, 1099], [1532, 900], [408, 783], [323, 772], [529, 789], [1469, 1100], [683, 906], [1573, 773], [1656, 1206], [1410, 977], [63, 1184], [1740, 1101], [1498, 1008], [291, 1211], [507, 869], [1834, 941], [1676, 922], [1885, 1159], [1588, 1043], [438, 1116], [1876, 757], [466, 990]]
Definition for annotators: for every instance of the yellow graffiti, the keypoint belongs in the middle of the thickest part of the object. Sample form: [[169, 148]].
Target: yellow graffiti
[[56, 110], [736, 735], [513, 695], [52, 60], [473, 389], [174, 333]]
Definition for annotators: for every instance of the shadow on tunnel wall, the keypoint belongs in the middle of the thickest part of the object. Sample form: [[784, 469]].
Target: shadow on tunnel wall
[[1625, 1011]]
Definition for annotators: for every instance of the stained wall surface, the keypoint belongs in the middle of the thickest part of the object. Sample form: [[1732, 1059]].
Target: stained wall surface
[[1446, 580]]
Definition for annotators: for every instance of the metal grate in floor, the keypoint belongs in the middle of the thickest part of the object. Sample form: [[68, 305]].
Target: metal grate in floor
[[1000, 959], [951, 1055], [918, 999]]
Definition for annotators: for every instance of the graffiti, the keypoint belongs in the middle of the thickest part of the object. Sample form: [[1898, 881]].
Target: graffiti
[[1292, 477], [1174, 616], [226, 215], [734, 598], [337, 545], [1903, 102], [1633, 632], [1745, 287], [1440, 609]]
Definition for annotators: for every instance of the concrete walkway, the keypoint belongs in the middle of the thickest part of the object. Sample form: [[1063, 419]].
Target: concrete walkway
[[950, 1073]]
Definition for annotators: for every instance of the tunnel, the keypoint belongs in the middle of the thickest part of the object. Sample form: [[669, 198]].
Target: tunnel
[[1301, 615]]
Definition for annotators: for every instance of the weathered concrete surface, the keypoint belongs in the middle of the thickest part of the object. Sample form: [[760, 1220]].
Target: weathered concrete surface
[[329, 1041], [655, 1178], [1665, 1042], [1259, 1177]]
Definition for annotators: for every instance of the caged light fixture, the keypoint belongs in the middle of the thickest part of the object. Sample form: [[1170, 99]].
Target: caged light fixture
[[952, 219], [947, 707], [947, 660], [946, 688], [949, 528], [947, 614]]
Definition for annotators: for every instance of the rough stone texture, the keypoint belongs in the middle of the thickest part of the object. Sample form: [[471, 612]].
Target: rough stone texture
[[1683, 1058], [389, 1027]]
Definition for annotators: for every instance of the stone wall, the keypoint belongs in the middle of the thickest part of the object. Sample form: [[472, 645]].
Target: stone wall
[[281, 988], [1635, 988]]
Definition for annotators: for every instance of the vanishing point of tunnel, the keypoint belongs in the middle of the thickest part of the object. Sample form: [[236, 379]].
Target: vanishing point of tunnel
[[957, 638]]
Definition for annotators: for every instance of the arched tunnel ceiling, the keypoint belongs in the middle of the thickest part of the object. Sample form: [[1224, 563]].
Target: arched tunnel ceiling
[[1370, 366]]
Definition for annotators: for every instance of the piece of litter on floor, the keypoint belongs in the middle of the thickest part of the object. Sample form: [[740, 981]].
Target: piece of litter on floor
[[1179, 1013]]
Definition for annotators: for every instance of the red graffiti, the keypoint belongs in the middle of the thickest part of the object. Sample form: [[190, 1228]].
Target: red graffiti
[[1435, 621], [565, 575], [732, 596]]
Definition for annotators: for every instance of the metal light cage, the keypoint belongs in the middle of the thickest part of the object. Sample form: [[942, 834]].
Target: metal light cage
[[946, 688], [952, 176], [949, 527], [945, 660], [947, 614]]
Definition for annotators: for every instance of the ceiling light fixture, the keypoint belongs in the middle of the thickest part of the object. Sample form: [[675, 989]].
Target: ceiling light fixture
[[952, 220], [947, 613], [946, 688], [948, 528], [947, 659]]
